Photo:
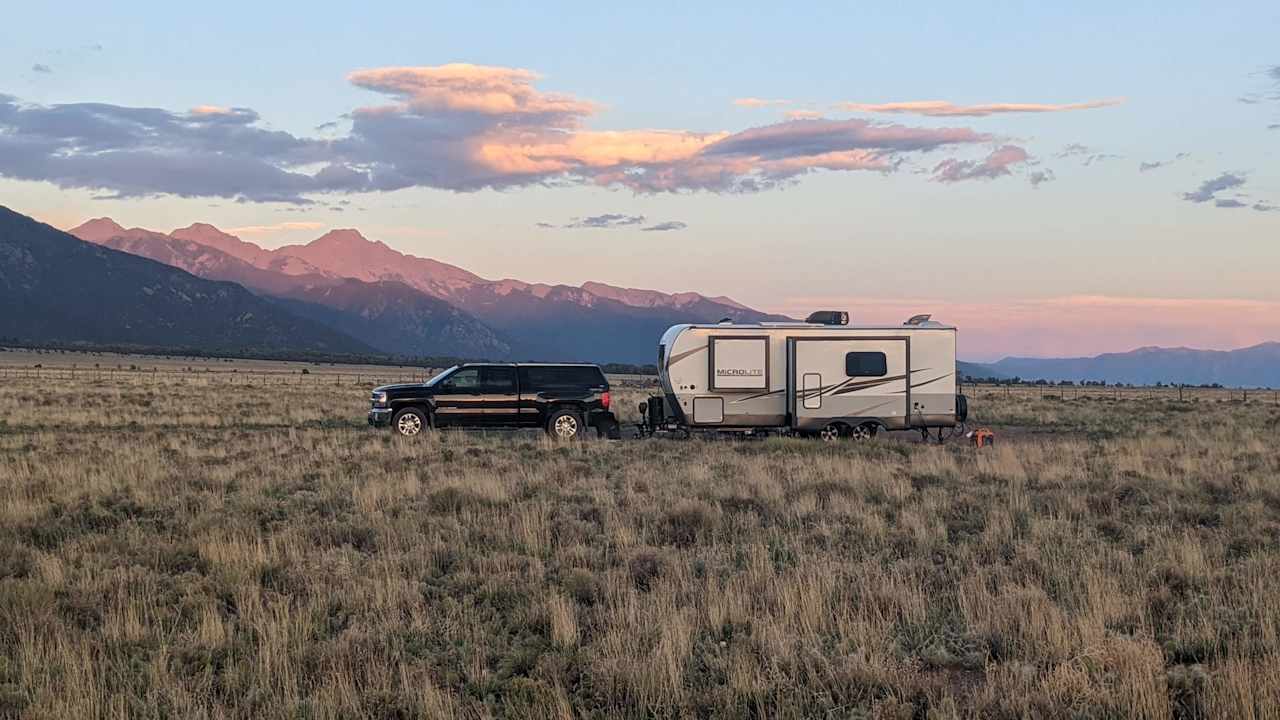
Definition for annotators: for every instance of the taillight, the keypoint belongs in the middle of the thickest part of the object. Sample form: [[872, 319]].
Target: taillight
[[604, 399]]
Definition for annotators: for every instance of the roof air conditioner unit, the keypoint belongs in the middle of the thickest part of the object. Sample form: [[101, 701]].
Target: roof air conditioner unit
[[829, 317]]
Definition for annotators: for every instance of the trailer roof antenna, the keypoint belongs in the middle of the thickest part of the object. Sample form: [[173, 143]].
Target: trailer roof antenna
[[918, 319]]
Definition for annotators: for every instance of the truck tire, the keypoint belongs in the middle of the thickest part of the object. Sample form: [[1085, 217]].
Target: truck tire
[[410, 422], [565, 424]]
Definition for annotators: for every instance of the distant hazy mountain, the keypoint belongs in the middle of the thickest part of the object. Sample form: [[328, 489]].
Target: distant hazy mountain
[[489, 318], [1257, 366], [977, 371], [57, 288], [391, 317]]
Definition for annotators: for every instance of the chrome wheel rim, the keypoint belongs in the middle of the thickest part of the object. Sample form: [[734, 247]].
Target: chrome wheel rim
[[830, 433], [862, 432], [566, 426], [409, 424]]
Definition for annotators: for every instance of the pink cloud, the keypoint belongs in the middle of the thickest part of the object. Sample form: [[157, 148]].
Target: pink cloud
[[1072, 326], [510, 133], [751, 102], [942, 108], [995, 165], [462, 87]]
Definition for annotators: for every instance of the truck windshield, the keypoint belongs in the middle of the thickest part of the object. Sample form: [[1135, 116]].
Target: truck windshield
[[441, 375]]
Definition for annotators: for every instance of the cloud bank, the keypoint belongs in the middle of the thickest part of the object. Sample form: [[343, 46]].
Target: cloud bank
[[454, 127]]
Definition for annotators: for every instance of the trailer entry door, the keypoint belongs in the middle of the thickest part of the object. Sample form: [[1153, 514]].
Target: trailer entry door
[[865, 378]]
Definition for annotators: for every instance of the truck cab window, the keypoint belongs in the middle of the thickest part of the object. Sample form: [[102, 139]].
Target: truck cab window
[[865, 364], [464, 380]]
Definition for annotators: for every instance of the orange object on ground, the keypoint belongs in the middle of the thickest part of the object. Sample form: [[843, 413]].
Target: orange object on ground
[[983, 437]]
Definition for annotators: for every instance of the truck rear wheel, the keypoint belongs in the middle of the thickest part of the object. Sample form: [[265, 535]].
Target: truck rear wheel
[[564, 424], [409, 422]]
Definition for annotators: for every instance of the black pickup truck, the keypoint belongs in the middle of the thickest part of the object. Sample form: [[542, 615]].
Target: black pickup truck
[[564, 400]]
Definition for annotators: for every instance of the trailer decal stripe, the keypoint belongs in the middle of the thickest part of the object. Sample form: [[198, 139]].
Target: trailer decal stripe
[[759, 395], [868, 384], [677, 358], [927, 382]]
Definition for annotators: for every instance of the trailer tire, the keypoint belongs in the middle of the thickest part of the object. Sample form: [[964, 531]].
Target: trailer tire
[[832, 432], [864, 432], [410, 422], [565, 424]]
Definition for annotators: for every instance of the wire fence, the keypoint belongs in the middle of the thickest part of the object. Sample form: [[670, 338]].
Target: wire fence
[[373, 376], [234, 376], [1170, 393]]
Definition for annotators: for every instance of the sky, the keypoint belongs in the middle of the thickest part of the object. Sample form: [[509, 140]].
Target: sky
[[1054, 181]]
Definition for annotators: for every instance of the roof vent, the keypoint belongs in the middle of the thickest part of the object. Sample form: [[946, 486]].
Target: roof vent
[[829, 317], [918, 319]]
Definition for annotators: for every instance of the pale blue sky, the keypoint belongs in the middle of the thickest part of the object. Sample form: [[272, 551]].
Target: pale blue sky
[[870, 240]]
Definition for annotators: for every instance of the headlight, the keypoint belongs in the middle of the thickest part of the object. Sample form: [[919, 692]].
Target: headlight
[[379, 399]]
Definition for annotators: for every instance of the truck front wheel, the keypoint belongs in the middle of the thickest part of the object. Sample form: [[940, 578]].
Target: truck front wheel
[[409, 422]]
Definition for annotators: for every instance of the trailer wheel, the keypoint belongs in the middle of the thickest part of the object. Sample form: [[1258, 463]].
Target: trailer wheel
[[863, 432], [564, 424], [409, 422], [832, 432]]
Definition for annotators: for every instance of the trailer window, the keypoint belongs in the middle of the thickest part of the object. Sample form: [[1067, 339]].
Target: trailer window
[[865, 364], [739, 363]]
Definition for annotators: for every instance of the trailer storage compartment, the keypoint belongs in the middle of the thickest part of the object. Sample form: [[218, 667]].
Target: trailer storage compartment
[[708, 410]]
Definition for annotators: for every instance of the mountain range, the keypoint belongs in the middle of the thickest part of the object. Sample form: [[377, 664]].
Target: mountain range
[[400, 304], [1256, 366], [55, 288], [200, 289]]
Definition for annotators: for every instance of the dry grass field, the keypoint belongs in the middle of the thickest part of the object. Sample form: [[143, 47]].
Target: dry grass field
[[211, 547]]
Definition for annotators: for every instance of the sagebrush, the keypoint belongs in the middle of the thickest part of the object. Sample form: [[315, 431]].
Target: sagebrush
[[188, 548]]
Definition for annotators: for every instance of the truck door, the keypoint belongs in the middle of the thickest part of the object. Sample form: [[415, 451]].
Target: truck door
[[849, 379], [458, 398], [500, 399]]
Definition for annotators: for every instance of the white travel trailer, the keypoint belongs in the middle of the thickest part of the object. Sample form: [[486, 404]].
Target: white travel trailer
[[821, 377]]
